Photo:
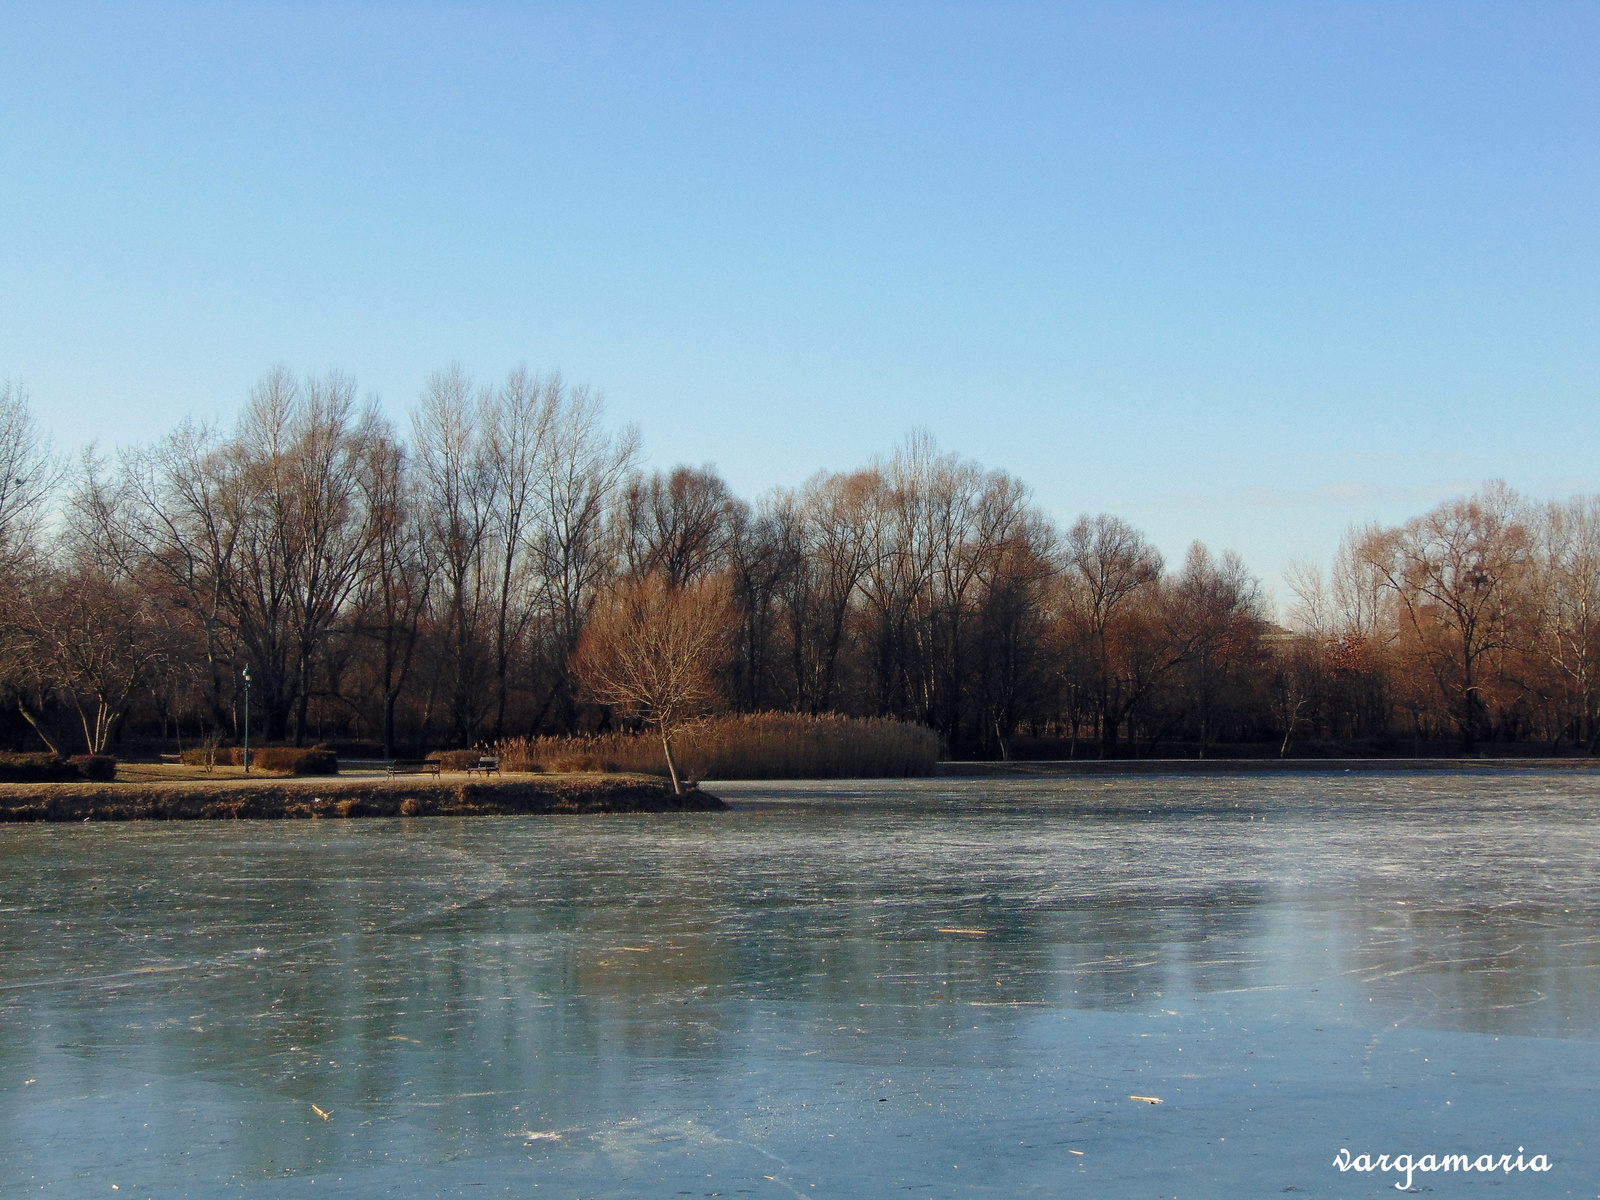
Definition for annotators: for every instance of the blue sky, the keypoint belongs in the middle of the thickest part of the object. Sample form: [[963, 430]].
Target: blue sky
[[1244, 273]]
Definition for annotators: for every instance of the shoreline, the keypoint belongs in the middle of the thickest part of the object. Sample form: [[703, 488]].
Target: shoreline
[[344, 797], [1250, 766], [336, 798]]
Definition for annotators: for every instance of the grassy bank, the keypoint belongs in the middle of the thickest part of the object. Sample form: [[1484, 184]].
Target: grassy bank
[[753, 746], [340, 798]]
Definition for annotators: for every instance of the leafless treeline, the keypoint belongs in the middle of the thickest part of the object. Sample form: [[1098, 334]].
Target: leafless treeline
[[431, 590], [1478, 620]]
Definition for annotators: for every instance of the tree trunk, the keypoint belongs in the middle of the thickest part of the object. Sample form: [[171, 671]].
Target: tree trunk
[[672, 766], [300, 715], [46, 735], [388, 721], [502, 673]]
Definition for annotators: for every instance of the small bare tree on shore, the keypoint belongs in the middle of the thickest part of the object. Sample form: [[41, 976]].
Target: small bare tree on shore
[[653, 652]]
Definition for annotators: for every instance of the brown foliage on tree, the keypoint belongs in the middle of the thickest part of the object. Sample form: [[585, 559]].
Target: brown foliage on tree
[[653, 651]]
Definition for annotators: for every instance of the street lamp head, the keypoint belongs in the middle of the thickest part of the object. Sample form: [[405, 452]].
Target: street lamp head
[[247, 673]]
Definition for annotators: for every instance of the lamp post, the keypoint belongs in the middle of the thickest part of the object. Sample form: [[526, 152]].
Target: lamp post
[[247, 718]]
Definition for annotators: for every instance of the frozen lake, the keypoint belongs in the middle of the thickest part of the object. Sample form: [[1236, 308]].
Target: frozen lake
[[932, 988]]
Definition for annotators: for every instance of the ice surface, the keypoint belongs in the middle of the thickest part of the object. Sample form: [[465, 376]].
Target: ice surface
[[931, 988]]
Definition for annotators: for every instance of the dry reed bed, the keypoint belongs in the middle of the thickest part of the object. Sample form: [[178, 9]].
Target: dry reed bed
[[250, 800], [757, 746]]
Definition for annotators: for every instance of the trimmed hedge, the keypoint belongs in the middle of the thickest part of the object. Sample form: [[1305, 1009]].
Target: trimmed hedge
[[47, 768], [96, 768], [36, 768]]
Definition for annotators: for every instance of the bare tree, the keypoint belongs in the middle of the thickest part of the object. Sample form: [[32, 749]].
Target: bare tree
[[519, 428], [1563, 621], [174, 512], [654, 652], [457, 501], [573, 552], [979, 515], [759, 564], [95, 638], [678, 524], [1351, 631], [28, 477], [1109, 565], [1014, 654], [26, 677], [315, 498], [300, 532], [393, 590], [825, 532], [1454, 572], [1293, 684], [1215, 623]]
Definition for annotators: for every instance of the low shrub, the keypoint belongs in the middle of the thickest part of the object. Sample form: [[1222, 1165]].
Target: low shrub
[[292, 760], [36, 768], [47, 768], [97, 768], [455, 760], [317, 762], [270, 760], [753, 746]]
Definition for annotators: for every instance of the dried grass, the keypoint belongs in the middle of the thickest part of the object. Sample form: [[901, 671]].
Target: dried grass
[[754, 746], [455, 760]]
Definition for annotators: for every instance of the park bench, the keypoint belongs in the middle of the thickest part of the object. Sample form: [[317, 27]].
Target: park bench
[[395, 767], [390, 766], [487, 765]]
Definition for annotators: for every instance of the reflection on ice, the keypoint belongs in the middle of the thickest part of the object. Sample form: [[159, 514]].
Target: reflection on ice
[[950, 985]]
